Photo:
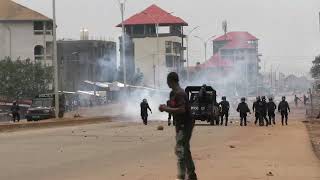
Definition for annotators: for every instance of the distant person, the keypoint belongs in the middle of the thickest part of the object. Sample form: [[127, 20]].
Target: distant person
[[243, 109], [305, 99], [15, 111], [255, 108], [184, 125], [296, 99], [283, 108], [271, 111], [202, 98], [264, 111], [224, 110], [144, 106]]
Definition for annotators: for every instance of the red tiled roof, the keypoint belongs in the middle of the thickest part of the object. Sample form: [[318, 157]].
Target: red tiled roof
[[238, 45], [215, 61], [154, 15], [236, 36]]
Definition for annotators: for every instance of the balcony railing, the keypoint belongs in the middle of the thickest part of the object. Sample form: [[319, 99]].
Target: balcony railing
[[41, 32], [41, 57]]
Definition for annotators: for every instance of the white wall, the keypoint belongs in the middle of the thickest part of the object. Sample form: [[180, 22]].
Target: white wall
[[146, 54], [23, 40]]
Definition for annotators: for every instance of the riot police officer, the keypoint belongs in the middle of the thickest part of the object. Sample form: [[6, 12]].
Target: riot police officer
[[144, 111], [224, 110], [264, 110], [243, 109], [283, 108], [271, 111], [255, 108]]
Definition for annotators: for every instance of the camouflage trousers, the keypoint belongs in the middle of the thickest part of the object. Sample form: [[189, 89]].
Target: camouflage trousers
[[185, 163]]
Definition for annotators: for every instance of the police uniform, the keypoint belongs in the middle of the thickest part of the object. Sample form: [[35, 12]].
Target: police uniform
[[264, 111], [144, 106], [184, 127], [255, 109], [271, 112], [243, 109], [225, 106], [283, 108]]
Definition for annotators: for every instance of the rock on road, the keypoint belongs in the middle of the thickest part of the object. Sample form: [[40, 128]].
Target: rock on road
[[124, 150]]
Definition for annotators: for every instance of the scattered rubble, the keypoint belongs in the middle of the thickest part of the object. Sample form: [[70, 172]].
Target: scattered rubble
[[270, 174], [77, 116], [160, 128]]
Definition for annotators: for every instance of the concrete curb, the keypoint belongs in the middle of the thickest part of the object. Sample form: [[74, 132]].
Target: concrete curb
[[53, 123]]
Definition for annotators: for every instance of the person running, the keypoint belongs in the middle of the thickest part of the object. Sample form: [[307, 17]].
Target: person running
[[181, 112], [296, 99], [144, 106]]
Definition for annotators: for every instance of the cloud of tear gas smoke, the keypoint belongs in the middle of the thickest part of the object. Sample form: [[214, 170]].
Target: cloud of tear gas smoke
[[131, 107], [234, 82]]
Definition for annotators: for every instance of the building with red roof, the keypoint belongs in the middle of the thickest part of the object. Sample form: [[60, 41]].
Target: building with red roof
[[154, 45], [234, 52]]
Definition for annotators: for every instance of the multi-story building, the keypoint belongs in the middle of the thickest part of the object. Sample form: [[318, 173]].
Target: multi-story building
[[81, 60], [154, 45], [24, 34], [235, 62]]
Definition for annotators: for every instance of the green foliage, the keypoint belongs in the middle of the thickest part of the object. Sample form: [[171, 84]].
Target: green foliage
[[315, 69], [23, 80]]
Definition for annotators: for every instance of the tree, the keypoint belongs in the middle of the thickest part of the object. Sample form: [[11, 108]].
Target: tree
[[315, 69], [21, 79]]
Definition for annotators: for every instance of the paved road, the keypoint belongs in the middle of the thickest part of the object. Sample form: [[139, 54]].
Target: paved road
[[124, 150]]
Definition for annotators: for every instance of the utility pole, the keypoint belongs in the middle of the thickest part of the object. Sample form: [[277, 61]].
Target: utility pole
[[187, 41], [122, 9], [55, 61], [205, 42]]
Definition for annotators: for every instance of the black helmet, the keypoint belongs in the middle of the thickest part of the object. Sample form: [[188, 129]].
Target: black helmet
[[224, 98], [243, 99], [283, 98], [263, 98], [145, 100]]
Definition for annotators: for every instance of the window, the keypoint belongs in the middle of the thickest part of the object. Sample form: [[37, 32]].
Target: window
[[38, 52], [176, 48], [138, 29], [38, 27], [169, 61], [168, 47]]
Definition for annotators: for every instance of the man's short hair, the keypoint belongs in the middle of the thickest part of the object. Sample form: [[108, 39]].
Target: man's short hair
[[173, 76]]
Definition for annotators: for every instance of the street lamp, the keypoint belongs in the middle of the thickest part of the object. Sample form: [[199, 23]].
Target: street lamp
[[157, 22], [187, 39], [205, 42]]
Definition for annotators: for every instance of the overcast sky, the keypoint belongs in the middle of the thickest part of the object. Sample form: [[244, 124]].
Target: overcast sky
[[288, 29]]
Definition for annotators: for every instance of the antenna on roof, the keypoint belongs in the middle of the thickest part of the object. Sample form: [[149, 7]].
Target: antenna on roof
[[225, 28]]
